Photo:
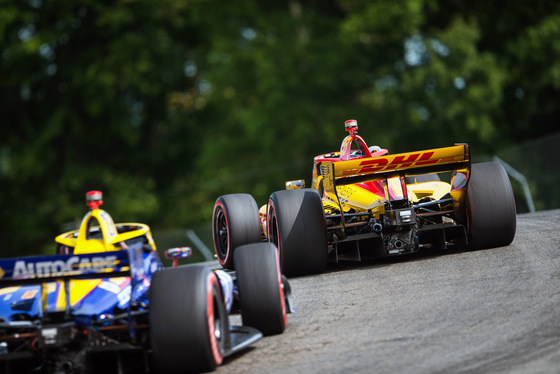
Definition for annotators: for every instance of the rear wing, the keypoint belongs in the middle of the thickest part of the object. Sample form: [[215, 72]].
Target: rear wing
[[42, 269], [361, 170], [402, 164]]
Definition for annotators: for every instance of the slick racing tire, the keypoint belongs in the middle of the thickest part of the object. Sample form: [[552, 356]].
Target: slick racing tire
[[490, 207], [235, 222], [261, 293], [296, 225], [189, 325]]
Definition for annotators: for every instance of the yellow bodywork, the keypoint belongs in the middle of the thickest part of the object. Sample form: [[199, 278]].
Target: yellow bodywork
[[441, 157], [366, 183], [98, 233], [435, 190]]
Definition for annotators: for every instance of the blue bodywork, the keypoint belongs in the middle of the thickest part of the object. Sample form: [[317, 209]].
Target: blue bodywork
[[35, 297], [25, 302]]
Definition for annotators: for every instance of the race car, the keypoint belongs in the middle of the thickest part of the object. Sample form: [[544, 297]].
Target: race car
[[104, 303], [365, 203]]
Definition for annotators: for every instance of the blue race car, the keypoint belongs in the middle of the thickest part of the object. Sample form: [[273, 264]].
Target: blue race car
[[105, 303]]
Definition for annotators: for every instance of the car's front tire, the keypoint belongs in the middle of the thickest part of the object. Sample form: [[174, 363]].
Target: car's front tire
[[189, 325], [261, 293]]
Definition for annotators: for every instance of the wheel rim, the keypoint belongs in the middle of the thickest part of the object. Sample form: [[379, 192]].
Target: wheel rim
[[215, 317], [218, 326], [221, 233], [272, 229]]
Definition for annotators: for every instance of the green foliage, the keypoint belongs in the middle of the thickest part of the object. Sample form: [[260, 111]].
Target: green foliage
[[166, 105]]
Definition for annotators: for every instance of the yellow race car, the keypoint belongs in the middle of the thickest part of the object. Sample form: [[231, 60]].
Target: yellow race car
[[365, 203]]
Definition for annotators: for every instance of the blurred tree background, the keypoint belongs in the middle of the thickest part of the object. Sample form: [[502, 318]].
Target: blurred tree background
[[165, 105]]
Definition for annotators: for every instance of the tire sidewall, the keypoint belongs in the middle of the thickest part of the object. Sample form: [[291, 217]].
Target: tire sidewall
[[260, 287], [243, 226], [296, 225], [185, 303], [223, 259], [490, 207]]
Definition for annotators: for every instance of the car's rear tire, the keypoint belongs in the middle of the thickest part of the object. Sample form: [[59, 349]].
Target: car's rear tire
[[296, 225], [261, 294], [490, 207], [235, 221], [189, 324]]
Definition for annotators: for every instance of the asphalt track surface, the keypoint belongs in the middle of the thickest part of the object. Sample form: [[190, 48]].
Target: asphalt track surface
[[488, 311]]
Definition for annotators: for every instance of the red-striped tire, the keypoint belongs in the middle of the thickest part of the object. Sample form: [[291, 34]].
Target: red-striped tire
[[261, 293], [189, 325], [235, 221]]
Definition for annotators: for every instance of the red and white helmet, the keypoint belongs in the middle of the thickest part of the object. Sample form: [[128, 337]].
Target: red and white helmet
[[351, 126]]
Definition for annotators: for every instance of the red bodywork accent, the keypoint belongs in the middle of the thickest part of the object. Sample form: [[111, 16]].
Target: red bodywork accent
[[375, 187], [345, 154]]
